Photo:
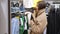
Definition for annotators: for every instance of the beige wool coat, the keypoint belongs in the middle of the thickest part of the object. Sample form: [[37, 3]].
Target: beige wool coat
[[39, 23]]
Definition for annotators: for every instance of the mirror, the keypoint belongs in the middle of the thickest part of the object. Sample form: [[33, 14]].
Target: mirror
[[17, 17]]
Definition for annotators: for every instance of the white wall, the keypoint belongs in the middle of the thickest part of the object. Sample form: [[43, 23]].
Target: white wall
[[3, 16]]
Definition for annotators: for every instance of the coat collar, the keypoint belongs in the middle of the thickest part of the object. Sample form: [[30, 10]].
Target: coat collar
[[40, 12]]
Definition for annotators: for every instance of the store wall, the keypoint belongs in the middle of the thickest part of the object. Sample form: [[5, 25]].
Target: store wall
[[3, 16]]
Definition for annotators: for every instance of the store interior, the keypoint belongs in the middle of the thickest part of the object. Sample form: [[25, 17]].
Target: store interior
[[50, 6], [20, 16]]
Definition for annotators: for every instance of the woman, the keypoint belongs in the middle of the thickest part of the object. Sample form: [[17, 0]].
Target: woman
[[39, 21]]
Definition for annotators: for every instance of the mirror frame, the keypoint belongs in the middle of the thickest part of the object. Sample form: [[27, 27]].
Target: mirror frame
[[9, 27]]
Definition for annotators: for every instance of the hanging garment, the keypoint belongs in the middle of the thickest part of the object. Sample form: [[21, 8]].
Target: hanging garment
[[54, 21], [26, 26], [15, 26], [45, 31], [22, 8], [57, 22], [28, 17], [47, 9], [22, 24], [51, 21]]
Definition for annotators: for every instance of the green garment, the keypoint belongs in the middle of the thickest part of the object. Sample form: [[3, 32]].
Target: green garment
[[22, 25], [26, 31], [22, 31]]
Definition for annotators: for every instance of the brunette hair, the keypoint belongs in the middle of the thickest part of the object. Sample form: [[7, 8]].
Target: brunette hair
[[41, 5]]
